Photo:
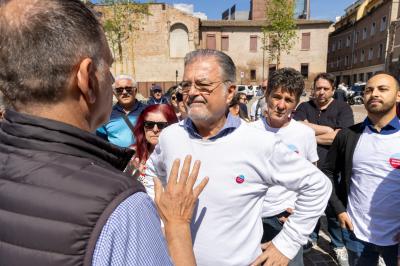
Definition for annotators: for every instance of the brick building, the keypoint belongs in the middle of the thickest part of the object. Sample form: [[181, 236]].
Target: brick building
[[359, 45]]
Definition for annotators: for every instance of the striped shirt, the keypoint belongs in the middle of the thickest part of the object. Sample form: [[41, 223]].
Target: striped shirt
[[132, 235]]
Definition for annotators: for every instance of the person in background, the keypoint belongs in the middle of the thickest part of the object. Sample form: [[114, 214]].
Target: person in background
[[157, 96], [326, 116], [258, 107], [235, 108], [151, 122], [119, 129]]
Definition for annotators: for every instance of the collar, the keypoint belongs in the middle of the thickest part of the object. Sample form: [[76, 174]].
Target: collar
[[119, 108], [230, 125], [392, 127]]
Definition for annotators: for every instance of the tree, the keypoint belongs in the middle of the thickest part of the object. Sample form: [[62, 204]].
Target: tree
[[280, 28], [121, 19]]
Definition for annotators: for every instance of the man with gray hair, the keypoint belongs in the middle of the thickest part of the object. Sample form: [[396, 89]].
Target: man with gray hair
[[119, 129], [226, 226]]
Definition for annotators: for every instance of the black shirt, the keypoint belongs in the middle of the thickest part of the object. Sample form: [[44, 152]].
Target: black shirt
[[337, 115]]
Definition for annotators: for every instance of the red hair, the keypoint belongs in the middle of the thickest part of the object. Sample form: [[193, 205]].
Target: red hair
[[142, 147]]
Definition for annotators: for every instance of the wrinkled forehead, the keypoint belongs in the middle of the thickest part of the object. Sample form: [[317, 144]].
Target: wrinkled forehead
[[203, 68]]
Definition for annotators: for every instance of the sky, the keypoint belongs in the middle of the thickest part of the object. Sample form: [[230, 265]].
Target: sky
[[320, 9]]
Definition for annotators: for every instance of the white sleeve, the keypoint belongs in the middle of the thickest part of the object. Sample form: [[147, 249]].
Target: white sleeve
[[312, 154], [155, 167], [313, 188]]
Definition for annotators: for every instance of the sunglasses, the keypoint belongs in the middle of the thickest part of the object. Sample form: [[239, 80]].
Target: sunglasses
[[120, 90], [151, 124], [157, 91]]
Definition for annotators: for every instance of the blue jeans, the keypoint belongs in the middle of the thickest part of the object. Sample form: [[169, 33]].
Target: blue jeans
[[272, 226], [362, 253], [334, 231]]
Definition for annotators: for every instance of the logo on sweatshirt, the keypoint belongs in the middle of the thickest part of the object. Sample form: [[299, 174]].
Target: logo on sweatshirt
[[293, 148], [394, 161], [240, 179]]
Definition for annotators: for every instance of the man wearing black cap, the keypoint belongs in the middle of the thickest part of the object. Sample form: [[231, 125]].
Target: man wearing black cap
[[157, 96]]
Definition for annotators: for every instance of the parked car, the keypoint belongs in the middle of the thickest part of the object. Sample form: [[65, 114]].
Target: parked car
[[249, 90], [356, 93]]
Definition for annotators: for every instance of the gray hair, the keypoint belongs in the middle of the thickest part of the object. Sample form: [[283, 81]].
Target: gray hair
[[40, 46], [125, 77], [225, 62]]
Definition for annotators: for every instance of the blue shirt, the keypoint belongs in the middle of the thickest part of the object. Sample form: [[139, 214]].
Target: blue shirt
[[230, 125], [132, 236], [116, 130], [392, 127]]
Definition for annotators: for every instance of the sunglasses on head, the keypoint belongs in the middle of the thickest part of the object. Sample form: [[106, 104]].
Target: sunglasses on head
[[120, 90], [151, 124]]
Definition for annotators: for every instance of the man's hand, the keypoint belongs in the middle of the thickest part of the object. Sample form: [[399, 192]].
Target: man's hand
[[175, 202], [283, 219], [271, 256], [344, 221]]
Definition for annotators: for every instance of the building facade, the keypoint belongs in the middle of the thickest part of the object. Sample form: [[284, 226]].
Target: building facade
[[359, 45], [243, 42]]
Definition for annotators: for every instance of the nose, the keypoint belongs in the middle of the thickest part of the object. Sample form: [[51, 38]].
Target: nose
[[280, 104]]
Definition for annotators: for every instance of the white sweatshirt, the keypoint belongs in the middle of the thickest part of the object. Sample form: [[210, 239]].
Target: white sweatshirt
[[227, 226]]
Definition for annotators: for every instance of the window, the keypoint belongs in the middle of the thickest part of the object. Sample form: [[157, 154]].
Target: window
[[357, 36], [373, 28], [383, 23], [348, 41], [338, 62], [304, 70], [305, 41], [253, 75], [362, 55], [380, 52], [210, 41], [253, 43], [369, 75], [354, 78], [333, 46], [271, 68], [364, 34], [355, 58], [370, 53], [346, 60], [339, 45], [361, 77], [224, 43]]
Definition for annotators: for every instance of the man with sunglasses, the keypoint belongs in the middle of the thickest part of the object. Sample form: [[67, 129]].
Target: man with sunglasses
[[157, 96], [119, 129], [241, 162]]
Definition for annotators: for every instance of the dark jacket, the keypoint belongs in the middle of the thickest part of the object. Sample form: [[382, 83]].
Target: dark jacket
[[58, 186], [339, 163], [153, 101]]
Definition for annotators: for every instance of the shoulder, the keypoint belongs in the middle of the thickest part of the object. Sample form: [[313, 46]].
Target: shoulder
[[300, 128], [254, 134], [341, 104], [257, 124]]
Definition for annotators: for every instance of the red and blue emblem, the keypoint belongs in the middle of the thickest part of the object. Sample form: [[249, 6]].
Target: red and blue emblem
[[394, 161], [240, 179]]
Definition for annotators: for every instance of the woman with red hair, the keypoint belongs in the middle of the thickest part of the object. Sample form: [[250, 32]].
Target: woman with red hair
[[150, 123]]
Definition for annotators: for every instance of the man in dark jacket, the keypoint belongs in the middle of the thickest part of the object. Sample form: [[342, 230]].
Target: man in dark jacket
[[366, 198], [63, 198], [157, 96]]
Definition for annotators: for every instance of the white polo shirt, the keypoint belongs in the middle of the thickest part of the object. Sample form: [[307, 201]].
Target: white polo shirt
[[300, 139], [374, 198]]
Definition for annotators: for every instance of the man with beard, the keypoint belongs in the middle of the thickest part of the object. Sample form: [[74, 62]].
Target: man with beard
[[326, 116], [284, 89], [226, 225], [119, 129], [366, 199]]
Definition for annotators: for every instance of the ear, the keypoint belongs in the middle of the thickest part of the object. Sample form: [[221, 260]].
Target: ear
[[398, 96], [230, 93], [87, 80]]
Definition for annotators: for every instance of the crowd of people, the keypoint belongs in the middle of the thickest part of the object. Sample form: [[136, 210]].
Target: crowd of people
[[85, 182]]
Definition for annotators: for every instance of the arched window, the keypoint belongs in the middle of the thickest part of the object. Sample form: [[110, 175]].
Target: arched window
[[178, 40]]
